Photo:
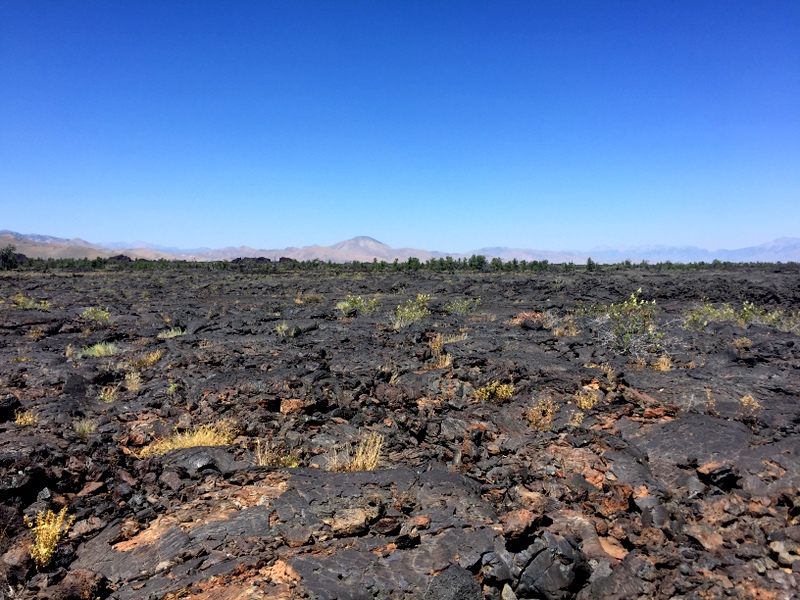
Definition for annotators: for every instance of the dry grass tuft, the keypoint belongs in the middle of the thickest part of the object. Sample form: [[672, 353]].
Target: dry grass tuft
[[84, 428], [364, 457], [48, 528], [219, 434], [171, 333], [99, 350], [270, 455], [148, 360], [133, 381]]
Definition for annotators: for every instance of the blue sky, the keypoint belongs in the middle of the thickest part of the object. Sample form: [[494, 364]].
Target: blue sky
[[438, 125]]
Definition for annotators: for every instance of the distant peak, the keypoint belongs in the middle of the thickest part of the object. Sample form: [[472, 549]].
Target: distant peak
[[361, 243]]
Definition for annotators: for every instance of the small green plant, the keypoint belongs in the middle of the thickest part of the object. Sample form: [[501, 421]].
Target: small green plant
[[172, 388], [98, 316], [462, 307], [357, 305], [282, 329], [99, 350], [495, 391], [411, 312], [171, 333], [84, 428], [24, 303], [49, 528]]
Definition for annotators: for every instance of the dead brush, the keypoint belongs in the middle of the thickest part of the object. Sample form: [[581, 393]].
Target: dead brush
[[440, 359], [662, 363], [584, 399], [48, 529], [541, 414], [365, 456], [528, 317]]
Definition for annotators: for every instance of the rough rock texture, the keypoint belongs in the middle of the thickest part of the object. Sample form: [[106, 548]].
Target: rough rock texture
[[608, 473]]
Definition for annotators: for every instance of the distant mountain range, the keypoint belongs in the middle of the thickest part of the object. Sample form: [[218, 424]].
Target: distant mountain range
[[365, 249]]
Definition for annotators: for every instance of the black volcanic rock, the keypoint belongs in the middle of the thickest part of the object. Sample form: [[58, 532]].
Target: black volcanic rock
[[603, 474]]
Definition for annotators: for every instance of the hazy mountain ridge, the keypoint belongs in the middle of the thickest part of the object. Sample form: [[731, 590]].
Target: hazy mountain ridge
[[367, 249]]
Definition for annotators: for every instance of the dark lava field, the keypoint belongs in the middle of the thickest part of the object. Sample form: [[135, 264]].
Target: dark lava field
[[614, 434]]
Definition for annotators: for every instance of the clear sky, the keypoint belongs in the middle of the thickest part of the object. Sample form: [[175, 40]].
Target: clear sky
[[444, 125]]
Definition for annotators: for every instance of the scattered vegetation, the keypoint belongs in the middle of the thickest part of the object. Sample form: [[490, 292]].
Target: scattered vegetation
[[462, 307], [171, 333], [48, 528], [365, 456], [98, 316], [219, 434], [99, 350], [356, 305], [26, 418], [84, 428], [495, 391], [702, 315], [270, 455], [24, 303], [411, 312]]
